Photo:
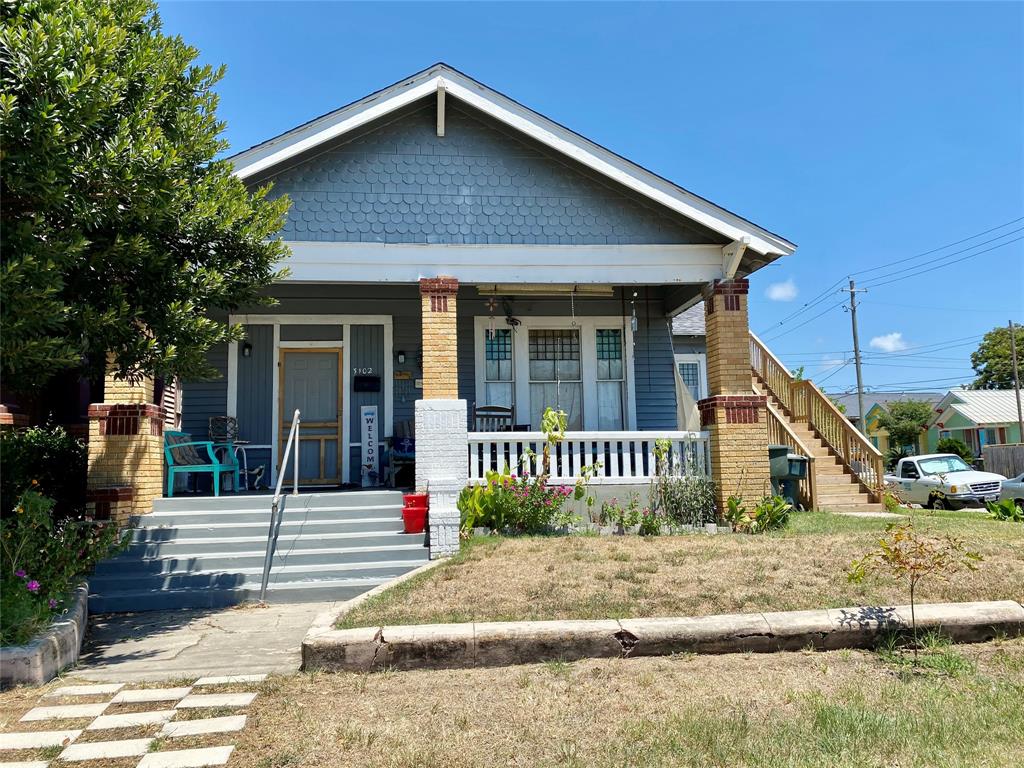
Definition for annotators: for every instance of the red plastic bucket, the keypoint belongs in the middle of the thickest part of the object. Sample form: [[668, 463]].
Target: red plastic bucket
[[416, 500], [414, 513], [415, 519]]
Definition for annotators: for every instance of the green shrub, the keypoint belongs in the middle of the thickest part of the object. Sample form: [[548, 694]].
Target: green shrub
[[515, 504], [1005, 510], [893, 456], [40, 560], [771, 513], [686, 499], [53, 459], [952, 445], [650, 522]]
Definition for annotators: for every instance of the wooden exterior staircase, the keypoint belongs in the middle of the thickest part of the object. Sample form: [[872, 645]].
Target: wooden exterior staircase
[[845, 470]]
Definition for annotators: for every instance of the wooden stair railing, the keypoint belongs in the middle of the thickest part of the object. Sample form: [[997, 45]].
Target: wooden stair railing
[[781, 433], [803, 400]]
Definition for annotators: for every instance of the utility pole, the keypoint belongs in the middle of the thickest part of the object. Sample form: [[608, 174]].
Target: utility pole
[[1016, 381], [856, 357]]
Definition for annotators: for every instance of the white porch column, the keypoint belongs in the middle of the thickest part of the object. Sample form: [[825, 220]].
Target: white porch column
[[442, 468]]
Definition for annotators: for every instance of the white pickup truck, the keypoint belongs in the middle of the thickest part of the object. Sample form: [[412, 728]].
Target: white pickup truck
[[943, 481]]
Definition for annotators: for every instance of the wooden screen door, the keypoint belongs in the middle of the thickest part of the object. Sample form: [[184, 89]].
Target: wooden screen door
[[310, 380]]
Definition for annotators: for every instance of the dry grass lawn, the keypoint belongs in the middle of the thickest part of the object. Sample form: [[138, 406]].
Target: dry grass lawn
[[585, 577], [840, 709]]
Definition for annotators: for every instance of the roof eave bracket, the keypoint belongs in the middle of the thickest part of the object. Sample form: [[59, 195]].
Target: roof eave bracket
[[732, 255]]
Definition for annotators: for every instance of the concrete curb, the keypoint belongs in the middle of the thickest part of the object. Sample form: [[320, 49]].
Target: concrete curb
[[484, 644], [39, 662], [324, 622]]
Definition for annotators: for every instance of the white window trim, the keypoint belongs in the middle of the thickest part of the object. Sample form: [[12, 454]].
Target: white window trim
[[346, 322], [702, 367], [588, 327]]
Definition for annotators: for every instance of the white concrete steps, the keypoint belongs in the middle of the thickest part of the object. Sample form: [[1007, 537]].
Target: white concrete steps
[[205, 552]]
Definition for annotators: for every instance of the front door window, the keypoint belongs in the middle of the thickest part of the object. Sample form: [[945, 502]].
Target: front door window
[[556, 374], [499, 377], [310, 383]]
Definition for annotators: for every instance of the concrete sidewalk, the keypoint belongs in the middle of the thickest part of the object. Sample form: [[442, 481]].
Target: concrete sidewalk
[[162, 645]]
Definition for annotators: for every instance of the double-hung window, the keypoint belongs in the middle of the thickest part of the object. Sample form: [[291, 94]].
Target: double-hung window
[[499, 373], [611, 379]]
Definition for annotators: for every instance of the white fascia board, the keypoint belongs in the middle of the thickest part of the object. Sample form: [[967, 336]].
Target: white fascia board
[[263, 157], [313, 261], [527, 121]]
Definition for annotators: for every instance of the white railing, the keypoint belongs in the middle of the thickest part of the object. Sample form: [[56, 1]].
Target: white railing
[[624, 457]]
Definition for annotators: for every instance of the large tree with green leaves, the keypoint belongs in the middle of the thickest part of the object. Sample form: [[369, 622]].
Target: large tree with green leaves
[[121, 232], [993, 361], [904, 420]]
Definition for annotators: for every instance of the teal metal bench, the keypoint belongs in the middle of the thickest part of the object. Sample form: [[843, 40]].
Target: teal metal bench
[[182, 456]]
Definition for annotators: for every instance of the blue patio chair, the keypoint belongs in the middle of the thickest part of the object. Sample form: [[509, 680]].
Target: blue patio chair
[[182, 456]]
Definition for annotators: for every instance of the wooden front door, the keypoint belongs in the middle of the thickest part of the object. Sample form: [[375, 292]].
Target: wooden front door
[[310, 380]]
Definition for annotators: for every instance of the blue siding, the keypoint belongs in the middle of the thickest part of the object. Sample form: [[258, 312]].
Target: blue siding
[[255, 385], [479, 184], [203, 399]]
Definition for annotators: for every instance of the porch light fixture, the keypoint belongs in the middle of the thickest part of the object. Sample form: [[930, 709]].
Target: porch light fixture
[[246, 349], [400, 357], [544, 289]]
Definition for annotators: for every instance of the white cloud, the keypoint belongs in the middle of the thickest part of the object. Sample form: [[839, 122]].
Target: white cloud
[[786, 291], [890, 342], [830, 363]]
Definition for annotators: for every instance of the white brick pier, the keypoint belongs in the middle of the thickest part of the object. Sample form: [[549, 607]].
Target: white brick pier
[[441, 468]]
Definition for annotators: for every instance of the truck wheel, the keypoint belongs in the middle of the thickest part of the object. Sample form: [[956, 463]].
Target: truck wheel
[[937, 503]]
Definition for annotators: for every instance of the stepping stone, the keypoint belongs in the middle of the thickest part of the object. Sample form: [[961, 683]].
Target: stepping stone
[[186, 758], [145, 695], [216, 700], [203, 727], [85, 690], [26, 764], [99, 750], [37, 739], [228, 679], [130, 720], [66, 712]]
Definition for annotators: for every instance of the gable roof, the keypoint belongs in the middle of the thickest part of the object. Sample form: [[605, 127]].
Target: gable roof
[[442, 78], [980, 406]]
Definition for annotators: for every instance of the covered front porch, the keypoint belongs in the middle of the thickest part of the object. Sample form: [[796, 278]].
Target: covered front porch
[[342, 354]]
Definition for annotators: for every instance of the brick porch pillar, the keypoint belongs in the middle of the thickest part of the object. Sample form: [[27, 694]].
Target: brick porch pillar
[[441, 431], [125, 451], [732, 414]]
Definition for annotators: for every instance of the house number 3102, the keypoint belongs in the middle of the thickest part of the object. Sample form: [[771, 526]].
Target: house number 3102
[[362, 371]]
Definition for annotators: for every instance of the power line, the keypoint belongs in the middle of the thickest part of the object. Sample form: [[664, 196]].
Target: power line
[[940, 265], [819, 298], [940, 248], [811, 320]]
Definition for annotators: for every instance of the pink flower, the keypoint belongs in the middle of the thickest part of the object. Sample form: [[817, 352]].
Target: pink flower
[[20, 573], [32, 586], [53, 603]]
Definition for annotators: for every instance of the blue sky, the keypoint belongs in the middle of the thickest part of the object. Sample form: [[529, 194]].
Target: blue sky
[[865, 133]]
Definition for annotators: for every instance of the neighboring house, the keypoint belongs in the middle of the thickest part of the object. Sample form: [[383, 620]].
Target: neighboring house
[[557, 263], [690, 350], [874, 405], [979, 417]]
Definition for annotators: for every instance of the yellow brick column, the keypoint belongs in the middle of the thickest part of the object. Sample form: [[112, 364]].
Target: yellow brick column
[[442, 440], [126, 469], [732, 414], [440, 362]]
